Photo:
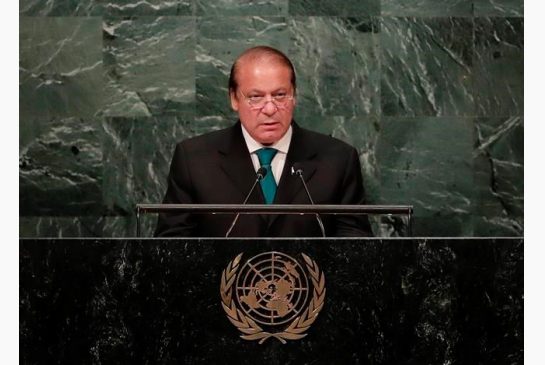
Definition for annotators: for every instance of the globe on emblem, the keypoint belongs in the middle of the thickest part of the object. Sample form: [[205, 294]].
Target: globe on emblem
[[272, 288]]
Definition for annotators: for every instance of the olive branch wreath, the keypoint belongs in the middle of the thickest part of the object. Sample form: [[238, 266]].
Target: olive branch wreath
[[250, 329]]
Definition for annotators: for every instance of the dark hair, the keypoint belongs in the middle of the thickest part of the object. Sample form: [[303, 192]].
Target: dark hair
[[260, 52]]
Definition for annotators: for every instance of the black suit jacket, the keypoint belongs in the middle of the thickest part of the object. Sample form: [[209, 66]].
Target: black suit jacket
[[216, 168]]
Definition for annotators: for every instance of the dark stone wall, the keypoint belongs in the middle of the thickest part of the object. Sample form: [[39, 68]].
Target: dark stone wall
[[429, 91], [389, 301]]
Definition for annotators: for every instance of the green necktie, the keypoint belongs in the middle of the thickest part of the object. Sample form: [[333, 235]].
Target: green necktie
[[268, 184]]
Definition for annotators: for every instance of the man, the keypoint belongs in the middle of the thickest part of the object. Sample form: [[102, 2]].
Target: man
[[220, 167]]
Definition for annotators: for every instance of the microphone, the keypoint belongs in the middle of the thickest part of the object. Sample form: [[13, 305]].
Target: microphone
[[259, 175], [297, 169]]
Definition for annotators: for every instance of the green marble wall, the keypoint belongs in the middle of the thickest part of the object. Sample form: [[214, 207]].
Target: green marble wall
[[429, 91]]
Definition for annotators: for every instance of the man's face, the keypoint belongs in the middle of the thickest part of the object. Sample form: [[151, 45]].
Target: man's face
[[267, 79]]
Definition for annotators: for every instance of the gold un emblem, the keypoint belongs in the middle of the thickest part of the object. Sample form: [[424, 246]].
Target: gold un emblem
[[270, 296]]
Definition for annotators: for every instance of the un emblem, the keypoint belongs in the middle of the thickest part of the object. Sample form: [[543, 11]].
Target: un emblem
[[270, 295]]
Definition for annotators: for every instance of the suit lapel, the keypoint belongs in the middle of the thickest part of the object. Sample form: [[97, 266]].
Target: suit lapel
[[237, 165], [302, 152]]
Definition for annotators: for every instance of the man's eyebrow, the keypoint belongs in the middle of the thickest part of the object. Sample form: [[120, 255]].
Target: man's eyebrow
[[284, 89]]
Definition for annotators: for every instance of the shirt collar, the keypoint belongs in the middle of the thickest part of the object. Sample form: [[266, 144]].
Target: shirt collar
[[282, 145]]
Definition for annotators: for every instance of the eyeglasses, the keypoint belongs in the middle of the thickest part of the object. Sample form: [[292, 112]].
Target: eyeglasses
[[280, 100]]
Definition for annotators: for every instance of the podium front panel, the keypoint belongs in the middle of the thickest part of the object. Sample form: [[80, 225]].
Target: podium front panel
[[285, 301]]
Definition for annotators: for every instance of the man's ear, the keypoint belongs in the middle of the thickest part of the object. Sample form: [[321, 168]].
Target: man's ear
[[234, 100]]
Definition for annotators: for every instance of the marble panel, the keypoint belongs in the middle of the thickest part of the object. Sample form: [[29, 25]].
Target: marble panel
[[363, 133], [60, 7], [126, 226], [427, 66], [499, 8], [61, 227], [334, 7], [60, 167], [337, 66], [60, 67], [137, 155], [499, 67], [241, 7], [219, 42], [206, 124], [499, 175], [158, 78], [101, 7], [87, 226], [427, 8], [148, 7], [149, 65], [427, 163], [387, 301]]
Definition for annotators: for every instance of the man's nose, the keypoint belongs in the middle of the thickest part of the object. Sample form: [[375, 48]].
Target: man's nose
[[269, 108]]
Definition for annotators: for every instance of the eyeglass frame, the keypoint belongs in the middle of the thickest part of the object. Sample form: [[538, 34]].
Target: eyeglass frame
[[272, 100]]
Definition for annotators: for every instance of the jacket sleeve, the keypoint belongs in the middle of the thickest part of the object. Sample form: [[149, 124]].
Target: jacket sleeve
[[356, 225], [179, 191]]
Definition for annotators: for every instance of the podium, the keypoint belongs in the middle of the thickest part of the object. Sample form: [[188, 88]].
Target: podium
[[383, 301]]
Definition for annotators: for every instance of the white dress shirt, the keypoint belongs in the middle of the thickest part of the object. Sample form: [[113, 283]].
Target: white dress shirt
[[279, 160]]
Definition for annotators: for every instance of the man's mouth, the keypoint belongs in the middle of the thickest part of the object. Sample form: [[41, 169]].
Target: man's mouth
[[269, 122], [270, 125]]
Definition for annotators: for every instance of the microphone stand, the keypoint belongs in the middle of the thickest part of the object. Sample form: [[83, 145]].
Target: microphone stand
[[260, 174], [299, 172]]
